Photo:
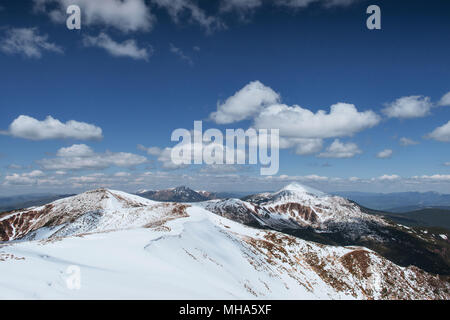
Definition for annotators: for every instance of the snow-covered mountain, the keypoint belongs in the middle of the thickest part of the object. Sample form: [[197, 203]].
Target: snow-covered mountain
[[94, 211], [313, 215], [297, 206], [178, 194], [130, 247]]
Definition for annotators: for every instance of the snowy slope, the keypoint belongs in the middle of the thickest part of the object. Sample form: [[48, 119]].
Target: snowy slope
[[132, 248], [204, 256]]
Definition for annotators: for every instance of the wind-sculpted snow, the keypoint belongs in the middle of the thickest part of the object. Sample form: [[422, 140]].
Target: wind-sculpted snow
[[128, 247]]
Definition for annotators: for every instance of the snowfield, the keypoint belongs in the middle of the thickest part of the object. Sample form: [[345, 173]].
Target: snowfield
[[140, 249]]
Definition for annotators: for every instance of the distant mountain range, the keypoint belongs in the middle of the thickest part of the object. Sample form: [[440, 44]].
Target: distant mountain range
[[428, 217], [28, 200], [427, 209], [399, 201], [178, 194], [185, 194]]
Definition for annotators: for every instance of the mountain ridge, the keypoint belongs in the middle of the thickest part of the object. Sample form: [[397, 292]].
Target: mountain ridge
[[240, 261], [177, 194]]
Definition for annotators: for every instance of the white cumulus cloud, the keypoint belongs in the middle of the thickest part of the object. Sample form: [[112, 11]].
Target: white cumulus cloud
[[76, 150], [261, 103], [441, 133], [342, 120], [386, 153], [387, 177], [163, 155], [339, 149], [445, 100], [124, 15], [82, 157], [245, 103], [308, 146], [29, 178], [407, 142], [30, 128], [435, 177], [302, 146], [408, 107], [299, 128], [17, 179]]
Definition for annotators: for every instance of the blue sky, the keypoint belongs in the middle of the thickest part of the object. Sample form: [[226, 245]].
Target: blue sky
[[140, 75]]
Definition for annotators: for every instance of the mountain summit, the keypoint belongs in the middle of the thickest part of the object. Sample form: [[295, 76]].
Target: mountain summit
[[297, 187], [297, 206], [89, 212], [178, 194]]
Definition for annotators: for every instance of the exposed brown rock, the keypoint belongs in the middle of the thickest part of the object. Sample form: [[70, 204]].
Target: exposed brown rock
[[296, 210]]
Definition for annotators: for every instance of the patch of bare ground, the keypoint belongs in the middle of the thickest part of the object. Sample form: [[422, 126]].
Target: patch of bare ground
[[318, 265], [271, 250], [296, 210], [130, 204], [273, 247], [9, 256], [161, 229], [357, 262], [249, 289], [176, 211], [359, 272], [21, 222]]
